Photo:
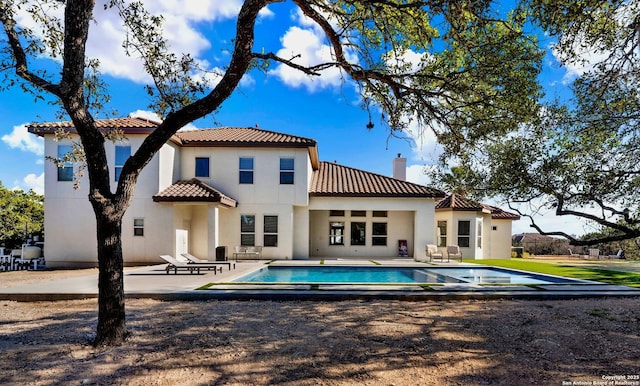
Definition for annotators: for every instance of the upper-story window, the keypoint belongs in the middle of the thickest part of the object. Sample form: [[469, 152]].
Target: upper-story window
[[65, 169], [246, 170], [202, 167], [122, 155], [286, 170]]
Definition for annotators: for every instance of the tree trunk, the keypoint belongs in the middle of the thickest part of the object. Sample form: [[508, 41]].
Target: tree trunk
[[111, 329]]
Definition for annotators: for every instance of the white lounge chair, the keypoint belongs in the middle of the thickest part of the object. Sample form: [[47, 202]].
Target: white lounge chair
[[617, 255], [571, 254], [176, 265], [194, 260], [433, 252]]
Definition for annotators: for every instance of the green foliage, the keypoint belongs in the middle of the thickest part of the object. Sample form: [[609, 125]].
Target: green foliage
[[20, 212], [580, 157]]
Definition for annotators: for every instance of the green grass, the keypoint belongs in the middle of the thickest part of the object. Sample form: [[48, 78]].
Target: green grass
[[630, 279]]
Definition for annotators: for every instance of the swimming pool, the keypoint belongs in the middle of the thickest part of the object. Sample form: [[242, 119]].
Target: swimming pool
[[396, 275]]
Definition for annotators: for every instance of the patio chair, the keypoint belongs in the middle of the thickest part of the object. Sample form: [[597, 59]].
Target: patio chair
[[255, 251], [176, 265], [433, 252], [194, 260], [239, 251], [453, 251]]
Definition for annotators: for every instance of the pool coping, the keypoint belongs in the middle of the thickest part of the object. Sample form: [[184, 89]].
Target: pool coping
[[445, 291], [153, 282]]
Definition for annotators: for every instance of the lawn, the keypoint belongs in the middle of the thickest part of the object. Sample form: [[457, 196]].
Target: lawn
[[630, 279]]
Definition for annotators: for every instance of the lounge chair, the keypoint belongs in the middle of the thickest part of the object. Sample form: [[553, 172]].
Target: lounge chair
[[194, 260], [617, 255], [176, 265], [571, 254], [433, 252], [453, 251]]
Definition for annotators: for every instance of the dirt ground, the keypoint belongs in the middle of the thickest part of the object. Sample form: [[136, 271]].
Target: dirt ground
[[497, 342]]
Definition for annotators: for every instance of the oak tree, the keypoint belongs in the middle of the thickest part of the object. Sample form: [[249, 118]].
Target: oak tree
[[581, 157], [476, 77]]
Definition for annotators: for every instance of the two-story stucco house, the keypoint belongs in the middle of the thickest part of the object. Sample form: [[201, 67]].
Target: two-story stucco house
[[231, 187]]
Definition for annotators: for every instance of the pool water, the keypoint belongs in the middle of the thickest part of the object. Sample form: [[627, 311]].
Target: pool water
[[396, 275]]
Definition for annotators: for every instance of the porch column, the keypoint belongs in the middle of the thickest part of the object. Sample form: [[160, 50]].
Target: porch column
[[213, 217], [424, 231]]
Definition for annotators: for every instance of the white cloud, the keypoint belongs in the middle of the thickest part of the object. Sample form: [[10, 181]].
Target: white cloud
[[150, 115], [31, 181], [107, 33], [417, 174], [306, 45], [21, 139]]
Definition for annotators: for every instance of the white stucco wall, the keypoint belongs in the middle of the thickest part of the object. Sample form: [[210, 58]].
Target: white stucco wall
[[266, 187], [70, 231], [452, 218], [501, 239]]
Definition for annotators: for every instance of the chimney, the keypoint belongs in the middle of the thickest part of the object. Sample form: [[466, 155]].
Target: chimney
[[400, 168]]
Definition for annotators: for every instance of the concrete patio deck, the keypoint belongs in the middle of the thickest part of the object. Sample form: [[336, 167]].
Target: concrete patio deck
[[153, 282]]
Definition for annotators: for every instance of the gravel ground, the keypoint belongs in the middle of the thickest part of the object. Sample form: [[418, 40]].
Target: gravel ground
[[496, 342]]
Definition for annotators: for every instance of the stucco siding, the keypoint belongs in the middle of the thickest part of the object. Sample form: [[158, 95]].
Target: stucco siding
[[501, 239]]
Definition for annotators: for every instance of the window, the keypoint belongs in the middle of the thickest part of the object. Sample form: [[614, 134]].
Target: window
[[122, 155], [479, 233], [379, 213], [202, 167], [379, 236], [246, 170], [358, 233], [65, 169], [270, 231], [358, 213], [336, 213], [442, 233], [138, 227], [286, 171], [247, 230], [336, 233], [464, 232]]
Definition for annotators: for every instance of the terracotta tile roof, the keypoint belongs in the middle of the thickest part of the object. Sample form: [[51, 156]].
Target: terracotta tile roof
[[458, 203], [336, 180], [234, 136], [128, 125], [499, 214], [193, 190]]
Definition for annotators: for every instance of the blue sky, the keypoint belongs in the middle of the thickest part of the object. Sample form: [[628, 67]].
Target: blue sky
[[325, 109]]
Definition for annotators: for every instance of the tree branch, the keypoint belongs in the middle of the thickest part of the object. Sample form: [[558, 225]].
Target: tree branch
[[21, 65]]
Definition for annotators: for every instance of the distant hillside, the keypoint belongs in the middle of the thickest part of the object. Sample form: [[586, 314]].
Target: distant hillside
[[541, 245]]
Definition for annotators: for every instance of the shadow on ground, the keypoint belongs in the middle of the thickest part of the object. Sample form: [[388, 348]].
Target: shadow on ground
[[310, 343]]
